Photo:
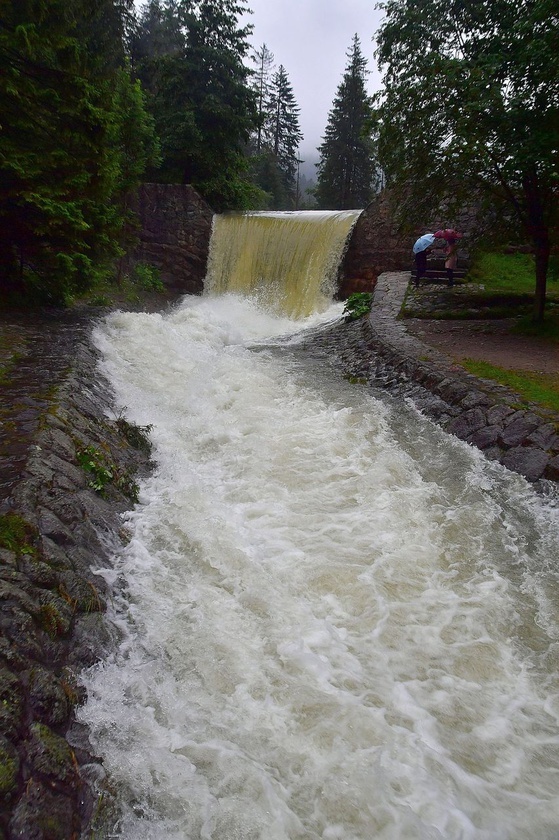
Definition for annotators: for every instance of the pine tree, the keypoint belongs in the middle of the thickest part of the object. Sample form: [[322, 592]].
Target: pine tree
[[346, 170], [263, 58], [63, 159]]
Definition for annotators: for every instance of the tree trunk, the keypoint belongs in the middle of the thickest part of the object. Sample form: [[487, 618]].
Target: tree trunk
[[541, 253], [539, 233]]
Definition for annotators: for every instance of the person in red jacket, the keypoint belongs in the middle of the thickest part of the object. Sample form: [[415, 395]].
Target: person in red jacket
[[451, 238]]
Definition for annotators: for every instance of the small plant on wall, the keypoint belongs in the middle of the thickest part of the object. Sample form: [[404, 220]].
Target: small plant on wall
[[104, 473], [357, 305]]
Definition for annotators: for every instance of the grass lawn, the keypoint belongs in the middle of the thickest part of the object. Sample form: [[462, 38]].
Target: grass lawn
[[512, 276], [496, 286], [500, 286], [532, 387], [509, 279]]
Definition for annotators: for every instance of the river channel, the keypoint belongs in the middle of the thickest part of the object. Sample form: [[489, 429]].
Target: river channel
[[336, 621]]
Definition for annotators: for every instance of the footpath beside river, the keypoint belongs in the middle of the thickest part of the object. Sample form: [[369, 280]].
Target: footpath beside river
[[68, 470]]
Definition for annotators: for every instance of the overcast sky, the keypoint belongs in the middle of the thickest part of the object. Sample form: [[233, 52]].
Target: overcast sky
[[311, 38]]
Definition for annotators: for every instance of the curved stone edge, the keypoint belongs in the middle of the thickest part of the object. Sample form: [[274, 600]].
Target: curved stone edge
[[523, 437], [52, 604]]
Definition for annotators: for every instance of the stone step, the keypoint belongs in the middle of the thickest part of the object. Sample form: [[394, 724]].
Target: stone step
[[436, 275], [438, 265]]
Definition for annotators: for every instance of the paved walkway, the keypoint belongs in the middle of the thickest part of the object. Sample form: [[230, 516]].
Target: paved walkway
[[388, 297]]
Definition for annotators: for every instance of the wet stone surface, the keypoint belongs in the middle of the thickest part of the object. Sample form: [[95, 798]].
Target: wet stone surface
[[55, 531], [56, 407], [523, 437], [35, 353]]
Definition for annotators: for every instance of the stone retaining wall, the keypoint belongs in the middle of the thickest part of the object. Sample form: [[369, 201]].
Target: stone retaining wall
[[175, 226], [378, 244], [522, 437], [52, 603]]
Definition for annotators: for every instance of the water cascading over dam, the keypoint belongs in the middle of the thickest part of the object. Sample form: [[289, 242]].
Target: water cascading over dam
[[333, 621], [287, 261]]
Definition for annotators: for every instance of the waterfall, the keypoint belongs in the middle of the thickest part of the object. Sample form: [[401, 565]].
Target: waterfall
[[333, 620], [288, 262]]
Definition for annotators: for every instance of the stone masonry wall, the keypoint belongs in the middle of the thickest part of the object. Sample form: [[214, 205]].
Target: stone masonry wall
[[175, 225], [52, 602], [378, 245], [524, 438], [375, 246]]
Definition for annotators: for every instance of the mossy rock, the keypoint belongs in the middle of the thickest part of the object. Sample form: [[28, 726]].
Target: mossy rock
[[55, 614], [48, 698], [51, 757], [9, 769], [11, 703]]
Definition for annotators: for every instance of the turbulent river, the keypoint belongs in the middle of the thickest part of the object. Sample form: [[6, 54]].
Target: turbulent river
[[335, 620]]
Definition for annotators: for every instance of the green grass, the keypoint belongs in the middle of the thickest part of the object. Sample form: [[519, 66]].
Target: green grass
[[504, 273], [549, 330], [496, 286], [16, 534], [532, 387]]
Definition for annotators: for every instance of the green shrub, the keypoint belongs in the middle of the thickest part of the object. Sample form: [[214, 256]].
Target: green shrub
[[104, 473], [357, 305], [147, 277], [137, 436]]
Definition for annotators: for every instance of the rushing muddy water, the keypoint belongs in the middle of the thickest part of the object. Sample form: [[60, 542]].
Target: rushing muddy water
[[336, 621]]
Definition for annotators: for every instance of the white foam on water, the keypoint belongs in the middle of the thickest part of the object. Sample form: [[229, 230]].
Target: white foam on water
[[334, 621]]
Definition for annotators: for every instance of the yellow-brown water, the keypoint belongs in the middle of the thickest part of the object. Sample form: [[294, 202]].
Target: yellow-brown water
[[288, 262], [335, 621]]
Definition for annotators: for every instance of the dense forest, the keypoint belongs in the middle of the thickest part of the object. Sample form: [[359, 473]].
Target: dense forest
[[96, 97]]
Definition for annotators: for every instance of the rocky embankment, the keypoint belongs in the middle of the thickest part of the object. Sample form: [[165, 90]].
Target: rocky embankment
[[60, 521], [523, 437], [70, 472]]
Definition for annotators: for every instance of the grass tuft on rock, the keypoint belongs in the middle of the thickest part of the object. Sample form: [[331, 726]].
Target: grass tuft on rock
[[532, 387]]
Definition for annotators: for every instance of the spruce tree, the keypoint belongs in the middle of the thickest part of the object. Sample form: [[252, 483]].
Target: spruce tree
[[274, 146], [204, 107], [346, 170], [263, 59], [284, 128], [64, 159]]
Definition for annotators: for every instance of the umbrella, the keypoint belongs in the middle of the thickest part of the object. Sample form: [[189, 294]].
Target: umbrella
[[423, 242], [448, 233]]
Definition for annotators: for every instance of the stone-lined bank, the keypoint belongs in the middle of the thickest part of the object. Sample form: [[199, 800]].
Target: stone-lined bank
[[523, 437], [61, 522], [51, 600]]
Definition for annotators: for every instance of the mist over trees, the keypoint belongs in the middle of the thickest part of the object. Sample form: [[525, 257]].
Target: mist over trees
[[346, 170]]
